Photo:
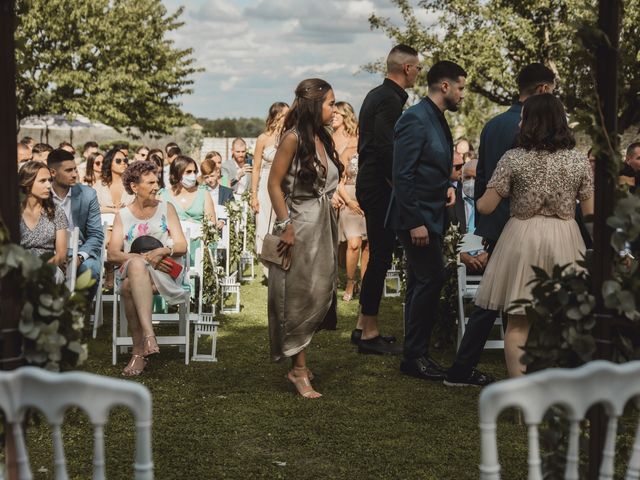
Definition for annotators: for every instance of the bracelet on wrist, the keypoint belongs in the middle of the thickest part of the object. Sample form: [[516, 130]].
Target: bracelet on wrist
[[279, 226]]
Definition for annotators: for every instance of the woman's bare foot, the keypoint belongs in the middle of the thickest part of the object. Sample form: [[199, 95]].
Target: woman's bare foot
[[300, 379]]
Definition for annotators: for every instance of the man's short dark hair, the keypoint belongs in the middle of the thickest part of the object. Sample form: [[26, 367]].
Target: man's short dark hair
[[444, 70], [168, 146], [58, 156], [27, 140], [631, 148], [41, 147], [121, 146], [88, 145], [533, 75], [174, 151]]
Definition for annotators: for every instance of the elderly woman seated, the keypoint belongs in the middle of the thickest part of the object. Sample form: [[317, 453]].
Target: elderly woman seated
[[145, 240]]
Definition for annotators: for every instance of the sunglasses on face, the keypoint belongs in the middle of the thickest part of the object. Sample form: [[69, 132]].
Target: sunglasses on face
[[121, 160], [458, 167]]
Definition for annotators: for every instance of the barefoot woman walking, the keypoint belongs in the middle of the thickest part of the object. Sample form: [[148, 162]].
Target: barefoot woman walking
[[304, 176]]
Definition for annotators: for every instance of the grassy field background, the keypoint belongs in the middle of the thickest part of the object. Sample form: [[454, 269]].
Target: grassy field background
[[239, 418]]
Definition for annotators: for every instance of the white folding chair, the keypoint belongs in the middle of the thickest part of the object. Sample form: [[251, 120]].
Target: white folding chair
[[53, 393], [467, 288], [598, 382], [97, 317], [72, 252]]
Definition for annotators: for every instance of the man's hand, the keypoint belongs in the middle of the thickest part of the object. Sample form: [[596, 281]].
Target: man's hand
[[471, 262], [419, 236], [451, 197], [246, 168]]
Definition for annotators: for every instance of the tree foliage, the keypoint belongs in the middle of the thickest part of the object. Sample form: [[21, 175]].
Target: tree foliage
[[233, 127], [494, 39], [110, 60]]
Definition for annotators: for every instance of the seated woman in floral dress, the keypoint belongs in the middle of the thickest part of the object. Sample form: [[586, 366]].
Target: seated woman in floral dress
[[43, 225], [142, 274]]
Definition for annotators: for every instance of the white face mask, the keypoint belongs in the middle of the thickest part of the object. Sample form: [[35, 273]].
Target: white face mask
[[468, 187], [188, 181]]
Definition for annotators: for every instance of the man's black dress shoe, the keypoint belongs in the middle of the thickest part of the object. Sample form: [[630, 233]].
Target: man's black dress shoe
[[423, 367], [475, 379], [356, 335], [378, 346]]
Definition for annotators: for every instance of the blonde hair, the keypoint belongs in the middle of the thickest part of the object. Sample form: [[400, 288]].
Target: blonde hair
[[275, 113], [350, 120]]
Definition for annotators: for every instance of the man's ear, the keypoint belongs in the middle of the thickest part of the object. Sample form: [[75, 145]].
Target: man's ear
[[52, 171]]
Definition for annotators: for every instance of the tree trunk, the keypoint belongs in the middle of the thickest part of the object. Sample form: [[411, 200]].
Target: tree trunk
[[609, 17]]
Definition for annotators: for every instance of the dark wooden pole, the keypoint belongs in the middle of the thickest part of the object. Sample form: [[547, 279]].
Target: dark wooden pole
[[609, 16], [10, 338]]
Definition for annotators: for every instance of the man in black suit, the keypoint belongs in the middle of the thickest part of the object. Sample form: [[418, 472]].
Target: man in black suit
[[379, 112], [498, 136], [422, 163]]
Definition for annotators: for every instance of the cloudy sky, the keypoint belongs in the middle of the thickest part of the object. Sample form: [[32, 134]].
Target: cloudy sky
[[256, 51]]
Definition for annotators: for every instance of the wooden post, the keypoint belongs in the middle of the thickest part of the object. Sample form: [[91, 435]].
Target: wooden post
[[10, 338], [609, 17]]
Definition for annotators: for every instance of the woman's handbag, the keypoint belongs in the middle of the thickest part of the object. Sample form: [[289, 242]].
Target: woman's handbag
[[146, 243], [270, 253]]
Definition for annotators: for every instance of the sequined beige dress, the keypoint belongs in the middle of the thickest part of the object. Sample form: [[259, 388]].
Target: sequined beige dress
[[300, 298], [542, 231], [350, 223]]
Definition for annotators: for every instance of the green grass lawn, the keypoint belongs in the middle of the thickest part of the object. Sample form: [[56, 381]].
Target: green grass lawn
[[240, 419]]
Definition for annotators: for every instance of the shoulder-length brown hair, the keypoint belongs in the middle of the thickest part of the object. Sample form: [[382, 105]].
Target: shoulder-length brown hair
[[26, 178], [89, 174], [544, 125]]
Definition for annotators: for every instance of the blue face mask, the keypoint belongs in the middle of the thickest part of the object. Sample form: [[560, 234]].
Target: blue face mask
[[188, 181]]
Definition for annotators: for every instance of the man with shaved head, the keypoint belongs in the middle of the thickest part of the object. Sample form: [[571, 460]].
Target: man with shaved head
[[380, 110]]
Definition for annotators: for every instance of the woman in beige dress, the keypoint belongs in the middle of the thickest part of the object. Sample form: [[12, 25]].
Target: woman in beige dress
[[112, 195], [543, 177], [265, 151], [352, 224], [303, 179]]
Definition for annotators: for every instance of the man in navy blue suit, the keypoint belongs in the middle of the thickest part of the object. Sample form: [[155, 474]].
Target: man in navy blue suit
[[80, 204], [422, 164], [498, 136]]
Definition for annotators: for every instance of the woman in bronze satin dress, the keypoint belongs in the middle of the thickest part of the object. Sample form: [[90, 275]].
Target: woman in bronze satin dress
[[303, 178]]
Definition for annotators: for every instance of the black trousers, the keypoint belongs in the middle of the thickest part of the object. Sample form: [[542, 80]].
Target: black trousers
[[381, 243], [475, 336], [425, 278]]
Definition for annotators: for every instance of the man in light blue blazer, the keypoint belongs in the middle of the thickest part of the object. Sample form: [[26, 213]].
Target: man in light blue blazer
[[422, 163], [80, 204]]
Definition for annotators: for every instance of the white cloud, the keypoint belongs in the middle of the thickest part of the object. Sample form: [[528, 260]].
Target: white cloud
[[256, 51]]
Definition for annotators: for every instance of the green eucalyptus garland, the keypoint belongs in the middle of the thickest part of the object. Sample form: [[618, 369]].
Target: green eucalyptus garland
[[52, 317]]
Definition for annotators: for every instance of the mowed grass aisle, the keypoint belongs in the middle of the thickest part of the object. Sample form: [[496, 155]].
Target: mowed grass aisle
[[239, 418]]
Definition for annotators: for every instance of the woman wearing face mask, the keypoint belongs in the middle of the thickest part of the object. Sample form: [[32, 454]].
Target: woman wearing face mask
[[192, 202]]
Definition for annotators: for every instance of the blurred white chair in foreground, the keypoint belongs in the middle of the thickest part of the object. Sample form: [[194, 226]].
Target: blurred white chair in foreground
[[598, 382], [53, 393]]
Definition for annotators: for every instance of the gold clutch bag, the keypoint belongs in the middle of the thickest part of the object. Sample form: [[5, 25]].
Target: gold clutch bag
[[270, 254]]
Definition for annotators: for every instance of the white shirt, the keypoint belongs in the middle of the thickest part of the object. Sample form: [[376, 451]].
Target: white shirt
[[65, 204]]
